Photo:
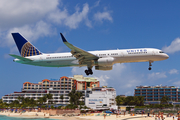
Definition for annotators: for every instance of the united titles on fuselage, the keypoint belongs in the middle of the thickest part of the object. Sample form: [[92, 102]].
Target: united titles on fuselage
[[137, 51]]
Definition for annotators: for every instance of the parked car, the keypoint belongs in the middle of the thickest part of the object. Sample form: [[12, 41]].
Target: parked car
[[139, 112], [108, 111], [114, 111]]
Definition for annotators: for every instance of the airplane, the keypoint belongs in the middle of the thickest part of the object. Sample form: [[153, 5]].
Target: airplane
[[102, 60]]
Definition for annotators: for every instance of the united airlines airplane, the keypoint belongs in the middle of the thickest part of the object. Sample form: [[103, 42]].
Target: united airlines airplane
[[102, 60]]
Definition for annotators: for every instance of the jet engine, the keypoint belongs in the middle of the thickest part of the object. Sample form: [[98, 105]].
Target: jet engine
[[103, 68], [104, 63]]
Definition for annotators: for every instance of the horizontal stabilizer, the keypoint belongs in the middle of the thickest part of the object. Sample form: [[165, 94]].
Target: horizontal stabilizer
[[20, 58]]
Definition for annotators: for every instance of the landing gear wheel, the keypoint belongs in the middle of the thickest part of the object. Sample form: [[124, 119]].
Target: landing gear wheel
[[86, 71], [149, 68], [89, 71]]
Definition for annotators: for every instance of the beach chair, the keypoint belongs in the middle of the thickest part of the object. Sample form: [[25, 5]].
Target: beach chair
[[91, 114], [108, 114], [98, 114]]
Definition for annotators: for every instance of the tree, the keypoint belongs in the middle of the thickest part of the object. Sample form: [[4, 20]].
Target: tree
[[49, 97], [74, 97], [20, 99], [78, 95], [15, 104], [32, 103], [129, 100], [62, 97], [177, 106], [119, 100], [164, 100], [139, 100], [42, 100]]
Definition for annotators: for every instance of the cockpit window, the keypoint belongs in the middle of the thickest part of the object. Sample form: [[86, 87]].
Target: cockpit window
[[161, 52]]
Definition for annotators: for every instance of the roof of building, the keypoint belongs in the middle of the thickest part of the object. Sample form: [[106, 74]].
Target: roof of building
[[157, 86], [82, 78]]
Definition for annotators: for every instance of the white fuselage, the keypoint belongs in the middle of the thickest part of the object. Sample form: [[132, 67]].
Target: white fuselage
[[119, 56]]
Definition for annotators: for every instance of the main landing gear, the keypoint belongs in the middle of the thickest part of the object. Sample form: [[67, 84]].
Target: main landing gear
[[150, 65], [89, 71]]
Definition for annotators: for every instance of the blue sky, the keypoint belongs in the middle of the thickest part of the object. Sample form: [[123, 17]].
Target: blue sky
[[91, 25]]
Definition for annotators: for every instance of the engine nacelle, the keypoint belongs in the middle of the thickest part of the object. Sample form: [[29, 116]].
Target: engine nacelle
[[103, 68], [104, 61]]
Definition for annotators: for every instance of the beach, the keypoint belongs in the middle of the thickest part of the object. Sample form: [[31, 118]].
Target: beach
[[81, 117]]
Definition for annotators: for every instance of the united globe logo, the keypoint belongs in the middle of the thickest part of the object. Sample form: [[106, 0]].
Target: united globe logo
[[29, 50]]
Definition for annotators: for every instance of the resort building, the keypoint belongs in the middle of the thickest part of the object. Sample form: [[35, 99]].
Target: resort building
[[154, 94], [63, 86], [101, 98]]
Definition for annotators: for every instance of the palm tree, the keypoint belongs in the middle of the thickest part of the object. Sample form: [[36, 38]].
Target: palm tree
[[49, 97], [20, 99], [62, 97], [32, 103], [15, 104], [74, 97], [139, 100], [42, 100], [78, 95], [164, 100]]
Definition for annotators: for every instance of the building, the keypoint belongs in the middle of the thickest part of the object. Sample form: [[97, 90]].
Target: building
[[82, 83], [101, 98], [55, 87], [155, 93]]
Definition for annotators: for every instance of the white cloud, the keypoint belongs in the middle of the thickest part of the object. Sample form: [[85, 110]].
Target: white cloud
[[30, 32], [72, 21], [100, 16], [35, 18], [173, 71], [157, 75], [96, 3], [174, 47], [18, 13], [177, 83], [121, 78]]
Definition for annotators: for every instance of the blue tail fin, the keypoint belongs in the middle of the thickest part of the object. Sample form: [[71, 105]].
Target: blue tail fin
[[25, 47]]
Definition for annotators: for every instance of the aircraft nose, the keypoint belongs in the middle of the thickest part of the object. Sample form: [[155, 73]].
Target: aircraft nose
[[166, 56]]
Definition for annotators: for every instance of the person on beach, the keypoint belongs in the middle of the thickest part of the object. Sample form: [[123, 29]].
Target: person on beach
[[178, 116], [162, 118], [142, 112], [104, 116], [117, 115], [124, 113]]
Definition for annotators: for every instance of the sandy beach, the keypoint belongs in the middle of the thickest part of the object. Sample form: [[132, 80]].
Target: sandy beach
[[92, 117]]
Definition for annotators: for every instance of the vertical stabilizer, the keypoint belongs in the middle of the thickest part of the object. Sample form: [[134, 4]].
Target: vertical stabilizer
[[25, 47]]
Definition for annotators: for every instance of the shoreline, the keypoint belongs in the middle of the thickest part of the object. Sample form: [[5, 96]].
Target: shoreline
[[111, 117]]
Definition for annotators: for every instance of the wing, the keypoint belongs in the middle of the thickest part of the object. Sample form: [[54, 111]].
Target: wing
[[20, 58], [82, 55]]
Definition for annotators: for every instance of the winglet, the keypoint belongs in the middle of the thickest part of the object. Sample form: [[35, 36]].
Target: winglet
[[63, 38]]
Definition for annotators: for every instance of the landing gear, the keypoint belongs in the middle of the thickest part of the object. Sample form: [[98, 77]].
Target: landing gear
[[89, 71], [150, 65]]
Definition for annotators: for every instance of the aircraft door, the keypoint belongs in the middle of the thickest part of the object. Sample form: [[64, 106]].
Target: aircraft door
[[153, 53]]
